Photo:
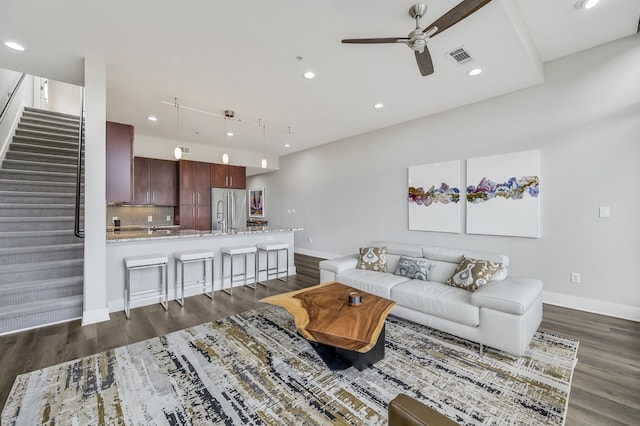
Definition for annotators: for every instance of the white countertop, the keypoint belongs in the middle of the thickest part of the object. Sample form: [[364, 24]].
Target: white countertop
[[161, 234]]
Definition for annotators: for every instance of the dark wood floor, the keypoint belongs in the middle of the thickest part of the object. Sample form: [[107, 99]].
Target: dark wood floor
[[606, 383]]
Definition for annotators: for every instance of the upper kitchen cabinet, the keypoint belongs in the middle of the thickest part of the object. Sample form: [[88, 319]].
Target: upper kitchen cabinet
[[226, 176], [119, 147], [195, 195], [155, 182]]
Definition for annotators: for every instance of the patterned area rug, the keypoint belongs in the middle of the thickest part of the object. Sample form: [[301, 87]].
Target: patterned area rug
[[253, 368]]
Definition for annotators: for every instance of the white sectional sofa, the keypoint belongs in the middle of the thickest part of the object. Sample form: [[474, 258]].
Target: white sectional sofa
[[504, 313]]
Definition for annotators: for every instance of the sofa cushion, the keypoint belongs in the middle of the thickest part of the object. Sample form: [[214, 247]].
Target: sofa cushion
[[437, 299], [471, 274], [514, 296], [414, 267], [401, 249], [371, 281], [373, 259], [455, 256]]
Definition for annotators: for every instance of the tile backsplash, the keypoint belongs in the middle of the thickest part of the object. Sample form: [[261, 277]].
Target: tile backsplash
[[139, 215]]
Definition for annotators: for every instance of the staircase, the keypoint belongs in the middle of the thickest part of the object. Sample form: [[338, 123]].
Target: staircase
[[41, 260]]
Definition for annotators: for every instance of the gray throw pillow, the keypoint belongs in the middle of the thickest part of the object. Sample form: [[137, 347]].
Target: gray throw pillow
[[412, 267]]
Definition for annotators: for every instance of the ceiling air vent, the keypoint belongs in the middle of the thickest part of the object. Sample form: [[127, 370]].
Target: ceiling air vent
[[459, 56], [185, 149]]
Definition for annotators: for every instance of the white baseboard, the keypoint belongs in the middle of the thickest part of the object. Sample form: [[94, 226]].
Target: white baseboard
[[594, 306], [97, 315], [314, 253]]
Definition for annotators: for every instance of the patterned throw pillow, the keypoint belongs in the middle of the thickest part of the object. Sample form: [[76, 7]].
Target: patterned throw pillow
[[373, 259], [412, 267], [472, 274]]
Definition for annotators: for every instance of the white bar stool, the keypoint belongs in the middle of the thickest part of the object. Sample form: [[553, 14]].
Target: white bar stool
[[185, 257], [268, 248], [232, 252], [144, 262]]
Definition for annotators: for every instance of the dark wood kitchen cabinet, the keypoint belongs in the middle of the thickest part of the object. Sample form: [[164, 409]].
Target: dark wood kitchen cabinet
[[226, 176], [195, 195], [119, 162], [155, 182]]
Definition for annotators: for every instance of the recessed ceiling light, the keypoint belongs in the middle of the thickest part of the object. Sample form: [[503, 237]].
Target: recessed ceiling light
[[14, 46], [152, 118], [230, 133], [378, 105], [475, 71], [309, 75], [287, 145], [586, 4]]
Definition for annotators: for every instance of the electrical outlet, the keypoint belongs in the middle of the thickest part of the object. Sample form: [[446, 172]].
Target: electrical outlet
[[149, 218], [114, 218], [575, 277], [604, 211], [168, 218]]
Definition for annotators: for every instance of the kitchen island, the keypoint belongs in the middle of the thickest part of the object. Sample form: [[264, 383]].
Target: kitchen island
[[141, 242]]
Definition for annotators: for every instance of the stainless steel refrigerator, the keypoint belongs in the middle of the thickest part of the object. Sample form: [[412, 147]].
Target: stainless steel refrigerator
[[228, 209]]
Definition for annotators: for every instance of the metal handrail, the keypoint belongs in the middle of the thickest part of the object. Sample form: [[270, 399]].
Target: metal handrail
[[11, 96], [76, 227]]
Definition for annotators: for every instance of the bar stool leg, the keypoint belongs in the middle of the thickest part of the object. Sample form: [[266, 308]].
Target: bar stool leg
[[205, 278], [286, 252], [229, 291], [165, 288], [127, 294]]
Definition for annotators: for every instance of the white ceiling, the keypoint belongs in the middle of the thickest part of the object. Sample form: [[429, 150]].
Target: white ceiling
[[241, 55]]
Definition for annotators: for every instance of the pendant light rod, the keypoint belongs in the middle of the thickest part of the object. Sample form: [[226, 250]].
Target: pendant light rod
[[223, 115]]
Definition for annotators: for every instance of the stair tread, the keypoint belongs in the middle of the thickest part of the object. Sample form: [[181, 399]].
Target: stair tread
[[36, 206], [37, 219], [38, 172], [35, 249], [41, 139], [43, 305], [74, 279], [42, 265], [49, 113], [38, 147], [35, 182], [38, 194], [27, 234]]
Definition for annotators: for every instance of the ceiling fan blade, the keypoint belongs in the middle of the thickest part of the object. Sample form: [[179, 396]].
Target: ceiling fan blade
[[376, 40], [424, 62], [457, 14]]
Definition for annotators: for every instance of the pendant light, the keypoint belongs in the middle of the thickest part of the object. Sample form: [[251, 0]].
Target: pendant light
[[228, 115], [263, 163], [177, 153]]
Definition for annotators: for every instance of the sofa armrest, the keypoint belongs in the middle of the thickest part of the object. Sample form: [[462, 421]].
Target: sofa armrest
[[407, 411], [514, 295], [339, 264]]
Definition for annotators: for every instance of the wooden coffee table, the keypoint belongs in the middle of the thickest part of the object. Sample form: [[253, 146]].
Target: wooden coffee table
[[322, 314]]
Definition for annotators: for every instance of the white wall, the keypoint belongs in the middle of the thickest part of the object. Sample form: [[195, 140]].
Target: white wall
[[64, 97], [585, 119], [95, 253], [23, 97]]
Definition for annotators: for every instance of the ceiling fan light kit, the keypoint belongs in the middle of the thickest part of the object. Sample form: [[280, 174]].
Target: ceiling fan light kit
[[418, 39]]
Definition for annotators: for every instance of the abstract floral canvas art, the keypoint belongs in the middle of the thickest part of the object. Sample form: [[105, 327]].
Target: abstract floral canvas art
[[503, 195], [434, 197]]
